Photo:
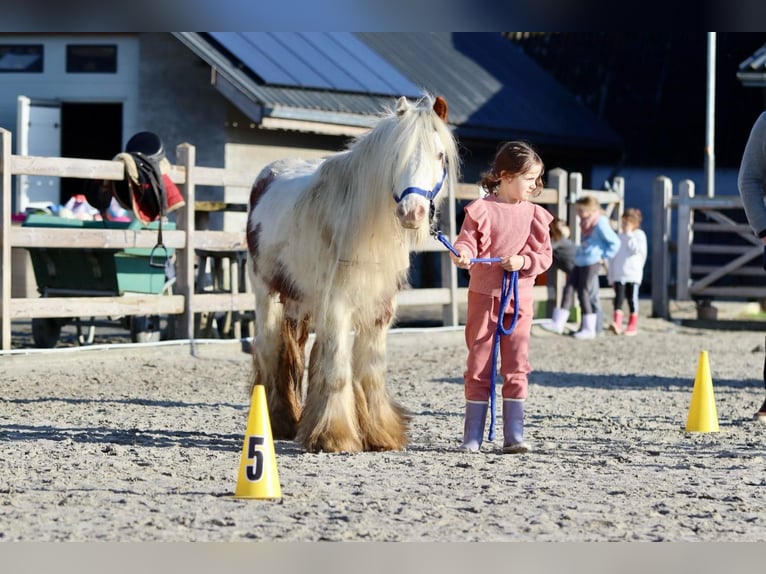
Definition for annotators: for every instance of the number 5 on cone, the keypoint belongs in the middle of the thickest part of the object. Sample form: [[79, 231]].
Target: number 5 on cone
[[258, 476]]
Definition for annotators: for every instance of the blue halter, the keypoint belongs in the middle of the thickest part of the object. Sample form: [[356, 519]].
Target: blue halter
[[510, 285], [429, 195]]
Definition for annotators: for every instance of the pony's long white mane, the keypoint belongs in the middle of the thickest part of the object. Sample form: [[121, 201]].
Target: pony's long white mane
[[352, 192]]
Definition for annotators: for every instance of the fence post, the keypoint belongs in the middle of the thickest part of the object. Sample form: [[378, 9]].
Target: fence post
[[450, 315], [618, 186], [557, 179], [574, 192], [663, 191], [685, 239], [186, 156], [5, 239]]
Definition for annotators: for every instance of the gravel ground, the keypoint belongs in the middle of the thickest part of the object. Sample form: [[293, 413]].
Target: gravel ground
[[142, 443]]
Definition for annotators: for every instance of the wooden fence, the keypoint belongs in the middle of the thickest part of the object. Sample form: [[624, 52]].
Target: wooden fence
[[184, 303], [703, 269]]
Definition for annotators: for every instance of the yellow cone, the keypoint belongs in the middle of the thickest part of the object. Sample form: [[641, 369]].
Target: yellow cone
[[258, 476], [703, 416]]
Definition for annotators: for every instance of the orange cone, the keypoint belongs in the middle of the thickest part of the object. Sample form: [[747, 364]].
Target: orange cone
[[258, 475], [703, 416]]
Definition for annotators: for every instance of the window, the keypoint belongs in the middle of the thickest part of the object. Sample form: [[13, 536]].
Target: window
[[21, 58], [91, 58]]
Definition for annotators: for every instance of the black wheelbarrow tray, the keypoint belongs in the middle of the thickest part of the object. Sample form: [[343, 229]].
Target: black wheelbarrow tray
[[85, 272]]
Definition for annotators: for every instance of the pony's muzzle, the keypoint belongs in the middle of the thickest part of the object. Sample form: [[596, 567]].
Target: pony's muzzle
[[411, 214]]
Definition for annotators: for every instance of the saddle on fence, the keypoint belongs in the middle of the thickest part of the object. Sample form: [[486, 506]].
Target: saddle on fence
[[146, 190]]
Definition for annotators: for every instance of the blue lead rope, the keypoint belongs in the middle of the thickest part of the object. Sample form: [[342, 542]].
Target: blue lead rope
[[448, 245], [510, 285]]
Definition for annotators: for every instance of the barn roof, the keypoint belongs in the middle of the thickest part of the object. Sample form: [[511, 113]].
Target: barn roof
[[338, 82]]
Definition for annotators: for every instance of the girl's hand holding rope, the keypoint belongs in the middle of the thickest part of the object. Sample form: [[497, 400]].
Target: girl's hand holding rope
[[509, 263], [512, 262], [463, 260]]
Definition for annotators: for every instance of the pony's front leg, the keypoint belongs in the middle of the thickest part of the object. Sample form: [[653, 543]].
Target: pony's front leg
[[329, 422], [383, 422], [278, 361]]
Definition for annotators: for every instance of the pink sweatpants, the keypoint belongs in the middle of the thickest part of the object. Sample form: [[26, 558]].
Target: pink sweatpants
[[481, 321]]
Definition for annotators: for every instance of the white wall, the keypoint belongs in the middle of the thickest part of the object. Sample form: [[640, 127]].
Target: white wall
[[54, 83]]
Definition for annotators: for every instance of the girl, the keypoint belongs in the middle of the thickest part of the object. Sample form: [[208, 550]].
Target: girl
[[503, 224], [598, 242], [626, 270], [564, 251]]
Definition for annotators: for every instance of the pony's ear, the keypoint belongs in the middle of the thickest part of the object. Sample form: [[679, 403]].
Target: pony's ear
[[401, 106], [441, 108]]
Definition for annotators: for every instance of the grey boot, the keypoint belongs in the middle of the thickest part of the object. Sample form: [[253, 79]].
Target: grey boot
[[473, 429], [558, 321], [588, 330], [513, 427]]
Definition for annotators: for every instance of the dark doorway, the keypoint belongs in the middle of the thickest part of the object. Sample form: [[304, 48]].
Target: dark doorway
[[90, 131]]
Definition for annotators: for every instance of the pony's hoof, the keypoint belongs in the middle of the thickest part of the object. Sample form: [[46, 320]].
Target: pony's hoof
[[324, 444], [282, 435], [284, 430], [394, 440]]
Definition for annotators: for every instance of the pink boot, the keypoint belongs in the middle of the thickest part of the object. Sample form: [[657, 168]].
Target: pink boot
[[632, 328], [616, 326]]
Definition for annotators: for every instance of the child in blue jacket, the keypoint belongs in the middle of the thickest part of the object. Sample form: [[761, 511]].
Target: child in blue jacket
[[598, 242]]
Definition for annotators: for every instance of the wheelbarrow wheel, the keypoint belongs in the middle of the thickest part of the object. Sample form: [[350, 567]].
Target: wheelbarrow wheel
[[45, 332], [145, 329]]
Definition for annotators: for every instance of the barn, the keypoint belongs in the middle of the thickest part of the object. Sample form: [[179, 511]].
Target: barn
[[245, 98]]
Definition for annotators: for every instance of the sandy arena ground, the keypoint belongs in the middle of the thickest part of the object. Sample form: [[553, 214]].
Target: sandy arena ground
[[142, 443]]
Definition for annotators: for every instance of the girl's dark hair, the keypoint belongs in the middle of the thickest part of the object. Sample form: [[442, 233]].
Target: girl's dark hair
[[557, 228], [512, 158]]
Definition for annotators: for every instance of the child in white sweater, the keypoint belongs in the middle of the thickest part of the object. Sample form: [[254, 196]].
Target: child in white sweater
[[626, 271]]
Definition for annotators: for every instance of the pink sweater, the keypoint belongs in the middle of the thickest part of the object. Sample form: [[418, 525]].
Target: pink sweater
[[495, 229]]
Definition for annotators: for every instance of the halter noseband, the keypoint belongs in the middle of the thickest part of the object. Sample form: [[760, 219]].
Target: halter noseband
[[429, 195]]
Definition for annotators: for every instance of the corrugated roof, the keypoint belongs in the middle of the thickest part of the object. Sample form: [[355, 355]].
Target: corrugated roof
[[493, 89], [336, 61], [259, 100]]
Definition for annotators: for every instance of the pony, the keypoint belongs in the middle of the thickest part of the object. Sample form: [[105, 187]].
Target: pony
[[329, 247]]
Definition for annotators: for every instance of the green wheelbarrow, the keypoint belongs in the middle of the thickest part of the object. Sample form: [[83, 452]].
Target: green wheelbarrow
[[75, 272]]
